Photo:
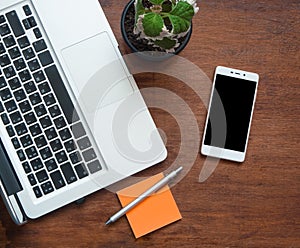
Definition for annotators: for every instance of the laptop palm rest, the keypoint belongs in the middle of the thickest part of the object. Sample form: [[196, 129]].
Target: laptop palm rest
[[115, 111]]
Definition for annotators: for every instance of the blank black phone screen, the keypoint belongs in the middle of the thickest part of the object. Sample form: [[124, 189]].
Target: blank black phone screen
[[235, 98]]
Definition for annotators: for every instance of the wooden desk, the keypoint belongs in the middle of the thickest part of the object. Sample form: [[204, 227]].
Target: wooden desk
[[254, 204]]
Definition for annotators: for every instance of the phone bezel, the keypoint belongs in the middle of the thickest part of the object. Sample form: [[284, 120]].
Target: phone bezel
[[222, 152]]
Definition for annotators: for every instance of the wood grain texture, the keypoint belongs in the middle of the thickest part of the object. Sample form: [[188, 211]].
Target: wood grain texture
[[254, 204]]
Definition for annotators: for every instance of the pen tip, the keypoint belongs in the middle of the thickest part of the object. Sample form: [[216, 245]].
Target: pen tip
[[108, 222], [179, 169]]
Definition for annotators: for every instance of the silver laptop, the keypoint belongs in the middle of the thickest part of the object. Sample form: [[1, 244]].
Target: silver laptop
[[72, 118]]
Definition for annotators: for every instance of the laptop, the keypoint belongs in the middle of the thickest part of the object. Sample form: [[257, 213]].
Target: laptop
[[72, 118]]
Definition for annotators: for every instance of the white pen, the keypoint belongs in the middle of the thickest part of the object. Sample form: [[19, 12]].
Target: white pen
[[144, 195]]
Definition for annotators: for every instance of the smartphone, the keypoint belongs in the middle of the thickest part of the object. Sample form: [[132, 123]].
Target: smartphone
[[230, 114]]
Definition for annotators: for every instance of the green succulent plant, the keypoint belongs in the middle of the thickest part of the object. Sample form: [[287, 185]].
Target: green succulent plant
[[163, 22]]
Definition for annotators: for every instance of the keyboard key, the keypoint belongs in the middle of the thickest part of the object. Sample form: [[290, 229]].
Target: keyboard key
[[68, 173], [40, 110], [26, 24], [75, 157], [32, 21], [10, 130], [23, 42], [39, 77], [78, 130], [25, 75], [5, 119], [26, 167], [70, 145], [2, 48], [35, 129], [4, 116], [32, 180], [39, 45], [47, 188], [19, 64], [27, 10], [62, 94], [14, 83], [81, 171], [60, 122], [56, 145], [37, 33], [45, 58], [31, 152], [30, 118], [50, 133], [9, 41], [61, 157], [30, 87], [5, 94], [37, 192], [2, 19], [46, 153], [45, 122], [21, 129], [28, 53], [36, 164], [89, 155], [26, 141], [21, 155], [9, 72], [57, 179], [34, 65], [1, 107], [44, 88], [49, 99], [4, 60], [10, 106], [40, 141], [65, 134], [42, 176], [25, 107], [15, 117], [51, 165], [94, 166], [15, 23], [4, 30], [20, 95], [14, 53], [2, 82], [15, 143], [35, 98], [54, 111]]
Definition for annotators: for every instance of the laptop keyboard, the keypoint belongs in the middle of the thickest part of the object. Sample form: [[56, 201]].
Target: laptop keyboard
[[36, 109]]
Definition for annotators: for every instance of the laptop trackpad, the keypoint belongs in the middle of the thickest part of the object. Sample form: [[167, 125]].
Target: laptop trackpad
[[99, 76]]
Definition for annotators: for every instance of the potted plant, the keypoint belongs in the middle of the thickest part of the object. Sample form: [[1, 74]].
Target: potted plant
[[158, 25]]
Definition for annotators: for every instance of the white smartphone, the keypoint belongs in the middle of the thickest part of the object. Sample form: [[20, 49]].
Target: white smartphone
[[230, 113]]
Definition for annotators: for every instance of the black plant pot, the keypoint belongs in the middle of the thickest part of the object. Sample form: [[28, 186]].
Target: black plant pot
[[147, 51]]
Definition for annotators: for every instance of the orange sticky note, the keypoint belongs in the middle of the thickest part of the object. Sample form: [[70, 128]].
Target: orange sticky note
[[156, 211]]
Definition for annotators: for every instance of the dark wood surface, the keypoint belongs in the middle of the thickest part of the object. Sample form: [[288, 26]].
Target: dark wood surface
[[253, 204]]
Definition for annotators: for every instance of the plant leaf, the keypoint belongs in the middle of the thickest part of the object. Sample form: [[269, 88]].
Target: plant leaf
[[156, 2], [181, 17], [139, 9], [166, 43], [153, 24]]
